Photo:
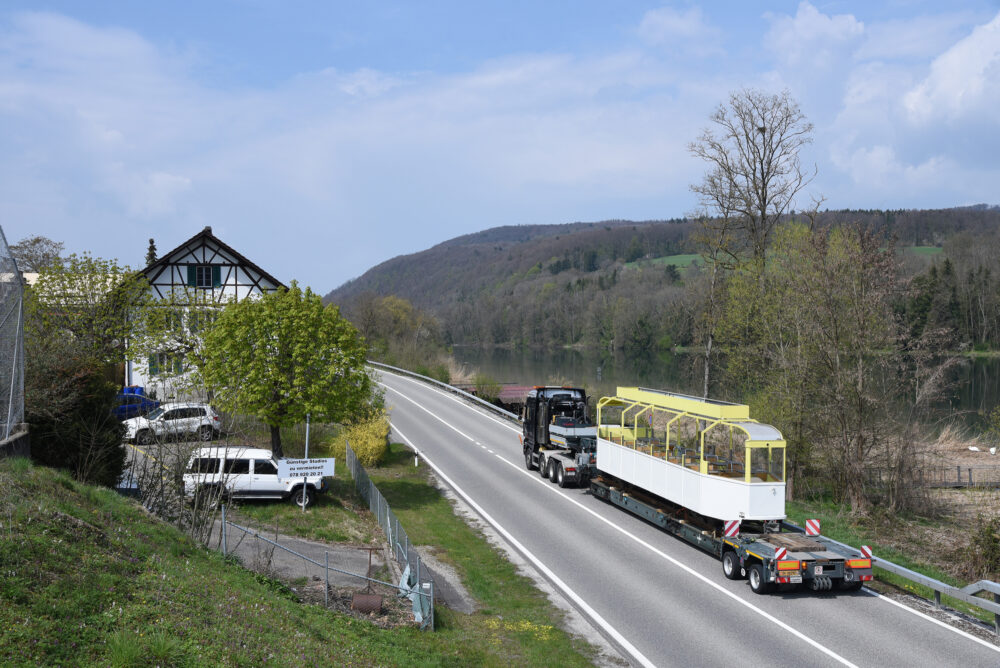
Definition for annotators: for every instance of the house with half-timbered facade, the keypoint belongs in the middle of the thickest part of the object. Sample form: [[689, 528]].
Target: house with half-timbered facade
[[203, 271]]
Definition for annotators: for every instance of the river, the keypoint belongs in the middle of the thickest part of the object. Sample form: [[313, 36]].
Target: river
[[974, 383]]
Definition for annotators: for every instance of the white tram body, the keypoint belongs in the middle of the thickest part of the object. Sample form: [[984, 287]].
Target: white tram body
[[707, 456]]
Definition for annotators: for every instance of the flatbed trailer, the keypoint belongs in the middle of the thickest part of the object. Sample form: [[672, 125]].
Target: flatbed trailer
[[762, 553]]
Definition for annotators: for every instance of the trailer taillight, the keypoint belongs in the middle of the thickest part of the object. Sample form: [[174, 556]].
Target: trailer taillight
[[859, 563], [788, 565]]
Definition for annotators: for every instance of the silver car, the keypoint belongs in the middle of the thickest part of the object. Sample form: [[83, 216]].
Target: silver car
[[174, 421]]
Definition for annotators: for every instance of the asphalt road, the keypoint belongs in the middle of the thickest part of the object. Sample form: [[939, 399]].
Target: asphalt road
[[661, 601]]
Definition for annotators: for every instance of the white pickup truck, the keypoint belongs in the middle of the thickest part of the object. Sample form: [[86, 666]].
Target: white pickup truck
[[244, 472]]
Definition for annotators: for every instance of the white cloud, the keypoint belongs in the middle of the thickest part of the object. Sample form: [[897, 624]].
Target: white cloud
[[682, 32], [108, 136], [811, 39], [963, 82]]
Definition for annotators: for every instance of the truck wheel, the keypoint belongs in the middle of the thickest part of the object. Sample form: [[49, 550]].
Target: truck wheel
[[145, 437], [527, 460], [731, 566], [758, 584], [561, 479], [543, 466], [553, 470], [297, 496]]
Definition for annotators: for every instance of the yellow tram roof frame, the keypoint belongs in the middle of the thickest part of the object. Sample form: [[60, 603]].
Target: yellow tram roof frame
[[683, 403]]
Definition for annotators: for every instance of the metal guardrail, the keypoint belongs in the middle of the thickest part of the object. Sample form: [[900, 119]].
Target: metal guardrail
[[450, 388], [967, 593]]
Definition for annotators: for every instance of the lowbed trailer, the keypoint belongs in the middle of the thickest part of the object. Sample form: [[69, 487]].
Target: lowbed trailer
[[762, 553], [738, 476]]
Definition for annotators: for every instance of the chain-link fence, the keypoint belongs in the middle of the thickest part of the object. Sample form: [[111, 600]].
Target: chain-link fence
[[11, 342], [416, 579]]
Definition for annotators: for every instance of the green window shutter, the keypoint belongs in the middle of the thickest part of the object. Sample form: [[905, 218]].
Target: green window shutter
[[154, 368], [191, 276], [216, 275], [178, 364]]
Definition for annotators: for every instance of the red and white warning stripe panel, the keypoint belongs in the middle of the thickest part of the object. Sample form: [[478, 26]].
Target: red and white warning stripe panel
[[812, 527], [867, 551], [731, 528], [780, 554]]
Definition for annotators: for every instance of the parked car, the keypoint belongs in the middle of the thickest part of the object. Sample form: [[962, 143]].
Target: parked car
[[174, 421], [133, 405], [245, 472]]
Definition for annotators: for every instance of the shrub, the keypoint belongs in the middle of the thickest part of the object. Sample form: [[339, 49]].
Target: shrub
[[984, 547], [487, 388], [369, 438]]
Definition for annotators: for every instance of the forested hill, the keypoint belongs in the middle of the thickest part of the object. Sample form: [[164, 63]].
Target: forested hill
[[613, 283], [482, 262]]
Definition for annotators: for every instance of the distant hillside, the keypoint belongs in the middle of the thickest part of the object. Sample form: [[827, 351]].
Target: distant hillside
[[595, 284], [478, 263]]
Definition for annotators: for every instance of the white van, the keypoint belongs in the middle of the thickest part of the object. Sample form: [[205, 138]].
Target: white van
[[245, 472]]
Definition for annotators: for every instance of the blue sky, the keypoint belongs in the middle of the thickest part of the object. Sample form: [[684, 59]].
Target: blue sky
[[321, 138]]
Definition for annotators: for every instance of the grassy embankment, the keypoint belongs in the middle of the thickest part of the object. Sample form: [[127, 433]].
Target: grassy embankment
[[515, 623], [89, 578]]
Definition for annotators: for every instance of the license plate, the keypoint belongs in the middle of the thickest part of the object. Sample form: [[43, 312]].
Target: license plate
[[817, 570], [795, 579]]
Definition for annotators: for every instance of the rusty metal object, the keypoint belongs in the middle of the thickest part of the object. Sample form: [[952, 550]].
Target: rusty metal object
[[366, 603]]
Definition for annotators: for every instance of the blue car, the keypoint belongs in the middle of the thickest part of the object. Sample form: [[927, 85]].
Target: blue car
[[133, 405]]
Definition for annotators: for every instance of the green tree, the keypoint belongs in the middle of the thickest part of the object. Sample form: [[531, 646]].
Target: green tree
[[821, 338], [284, 356], [79, 315]]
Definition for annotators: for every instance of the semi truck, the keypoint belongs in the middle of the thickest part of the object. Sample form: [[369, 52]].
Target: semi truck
[[700, 469]]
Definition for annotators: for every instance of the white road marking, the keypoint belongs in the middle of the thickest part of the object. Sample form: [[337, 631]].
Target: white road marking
[[766, 615], [517, 467], [960, 632], [594, 616]]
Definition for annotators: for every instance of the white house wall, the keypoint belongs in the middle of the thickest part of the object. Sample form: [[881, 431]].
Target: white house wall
[[170, 278]]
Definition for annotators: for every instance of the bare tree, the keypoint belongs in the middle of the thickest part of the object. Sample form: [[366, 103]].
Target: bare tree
[[753, 154], [36, 253]]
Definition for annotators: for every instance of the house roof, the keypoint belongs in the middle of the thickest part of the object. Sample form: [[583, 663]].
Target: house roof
[[204, 235]]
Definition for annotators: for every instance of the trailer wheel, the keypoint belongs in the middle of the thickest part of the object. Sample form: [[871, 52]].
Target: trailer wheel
[[527, 460], [758, 584], [844, 585], [562, 478], [731, 566]]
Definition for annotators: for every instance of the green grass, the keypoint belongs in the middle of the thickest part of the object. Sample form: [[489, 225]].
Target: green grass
[[836, 523], [680, 261], [90, 579], [338, 516], [516, 624]]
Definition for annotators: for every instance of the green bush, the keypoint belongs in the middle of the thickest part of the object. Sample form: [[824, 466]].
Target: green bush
[[369, 438]]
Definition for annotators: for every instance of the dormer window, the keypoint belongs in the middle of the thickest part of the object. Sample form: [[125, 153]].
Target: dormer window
[[204, 275]]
